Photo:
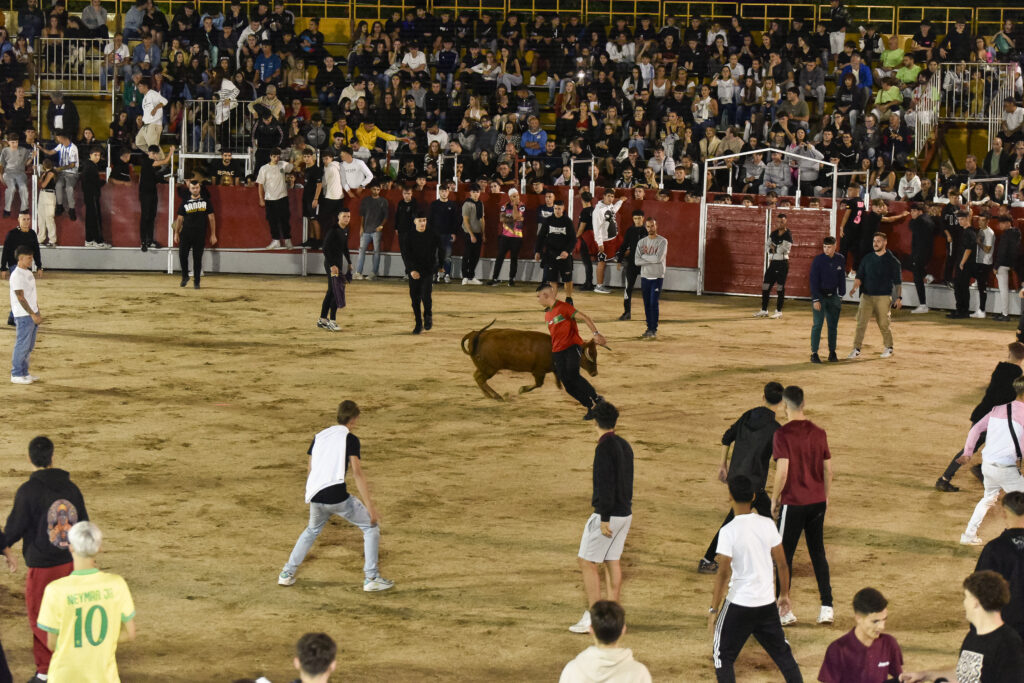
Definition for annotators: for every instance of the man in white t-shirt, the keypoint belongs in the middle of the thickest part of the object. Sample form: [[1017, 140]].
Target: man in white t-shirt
[[747, 548], [333, 452], [414, 62], [153, 104], [117, 59], [355, 174], [1013, 117], [983, 257], [25, 308]]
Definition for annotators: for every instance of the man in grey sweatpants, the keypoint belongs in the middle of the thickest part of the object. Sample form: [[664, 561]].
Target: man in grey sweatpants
[[650, 256]]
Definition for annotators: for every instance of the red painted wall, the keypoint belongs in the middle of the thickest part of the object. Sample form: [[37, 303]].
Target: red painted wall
[[241, 225]]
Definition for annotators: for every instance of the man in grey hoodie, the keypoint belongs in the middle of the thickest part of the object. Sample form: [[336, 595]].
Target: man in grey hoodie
[[605, 661]]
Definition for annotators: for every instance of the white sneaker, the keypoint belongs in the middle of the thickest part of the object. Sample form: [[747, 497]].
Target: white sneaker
[[887, 353], [322, 323], [853, 354], [285, 578], [33, 378], [928, 279], [465, 280], [978, 314], [776, 315], [601, 289], [21, 380], [533, 80], [332, 326], [287, 244], [378, 583], [371, 277], [921, 309], [447, 279], [788, 618], [583, 625], [274, 244], [475, 281], [357, 276], [761, 314], [964, 538], [104, 245], [90, 244], [826, 615]]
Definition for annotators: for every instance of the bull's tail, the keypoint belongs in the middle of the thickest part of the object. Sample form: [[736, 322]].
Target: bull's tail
[[474, 336]]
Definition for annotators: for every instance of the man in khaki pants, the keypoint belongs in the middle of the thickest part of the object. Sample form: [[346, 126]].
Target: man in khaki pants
[[152, 116], [878, 274]]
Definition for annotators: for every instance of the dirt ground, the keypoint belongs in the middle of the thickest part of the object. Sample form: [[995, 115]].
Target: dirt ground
[[185, 415]]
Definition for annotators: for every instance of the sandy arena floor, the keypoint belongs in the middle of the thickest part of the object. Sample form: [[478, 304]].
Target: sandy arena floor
[[184, 416]]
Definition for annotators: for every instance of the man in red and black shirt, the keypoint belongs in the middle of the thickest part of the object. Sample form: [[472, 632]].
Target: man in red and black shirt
[[803, 477], [567, 346]]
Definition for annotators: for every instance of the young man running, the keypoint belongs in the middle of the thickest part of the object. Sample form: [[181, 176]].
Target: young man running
[[748, 546], [1000, 458], [751, 438], [567, 346], [866, 654], [333, 451], [604, 535], [1000, 391]]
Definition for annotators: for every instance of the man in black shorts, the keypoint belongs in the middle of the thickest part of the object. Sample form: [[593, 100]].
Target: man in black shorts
[[311, 190], [585, 225], [190, 230], [556, 240]]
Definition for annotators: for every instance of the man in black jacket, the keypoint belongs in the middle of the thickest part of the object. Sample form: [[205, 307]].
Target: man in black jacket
[[999, 392], [604, 535], [922, 245], [966, 265], [444, 220], [880, 281], [45, 508], [751, 438], [1005, 555], [405, 215], [335, 248], [625, 256], [1007, 259], [556, 240], [421, 250], [91, 187]]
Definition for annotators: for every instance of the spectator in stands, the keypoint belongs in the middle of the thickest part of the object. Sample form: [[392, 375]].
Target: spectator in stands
[[776, 176], [812, 84], [31, 20], [94, 16], [62, 114], [956, 46], [997, 161], [1013, 118], [14, 161]]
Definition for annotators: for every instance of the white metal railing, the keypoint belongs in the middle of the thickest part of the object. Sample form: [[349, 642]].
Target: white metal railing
[[209, 127], [927, 98], [72, 66], [974, 93]]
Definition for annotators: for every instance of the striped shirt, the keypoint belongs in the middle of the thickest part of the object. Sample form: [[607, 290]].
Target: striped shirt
[[67, 155]]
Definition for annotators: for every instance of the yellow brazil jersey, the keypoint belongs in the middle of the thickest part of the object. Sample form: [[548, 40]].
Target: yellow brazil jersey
[[86, 610]]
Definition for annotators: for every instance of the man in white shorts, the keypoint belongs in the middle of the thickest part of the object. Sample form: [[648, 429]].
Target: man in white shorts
[[333, 451], [1000, 457], [604, 536]]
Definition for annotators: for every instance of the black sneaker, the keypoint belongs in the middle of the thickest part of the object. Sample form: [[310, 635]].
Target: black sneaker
[[832, 357], [428, 322], [569, 300], [494, 283], [72, 215], [59, 210], [417, 329], [976, 471], [589, 415], [706, 566], [7, 214], [1002, 318], [625, 316], [815, 358], [195, 283], [511, 283], [946, 486], [145, 247], [184, 281], [153, 244]]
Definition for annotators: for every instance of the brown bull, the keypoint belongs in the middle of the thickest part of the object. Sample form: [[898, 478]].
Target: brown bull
[[519, 351]]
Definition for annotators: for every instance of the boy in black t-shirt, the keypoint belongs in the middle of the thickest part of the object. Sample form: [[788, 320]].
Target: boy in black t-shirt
[[991, 651], [585, 225], [311, 190]]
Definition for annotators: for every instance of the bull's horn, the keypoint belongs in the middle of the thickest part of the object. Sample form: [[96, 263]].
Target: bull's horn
[[605, 346], [588, 354]]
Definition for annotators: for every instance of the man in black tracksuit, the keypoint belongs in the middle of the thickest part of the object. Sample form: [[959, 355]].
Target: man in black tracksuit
[[405, 214], [335, 248], [45, 508], [585, 225], [91, 184], [444, 219], [751, 438], [420, 264], [625, 256], [266, 135], [1000, 391], [149, 168], [922, 244], [966, 266], [556, 240], [1005, 555]]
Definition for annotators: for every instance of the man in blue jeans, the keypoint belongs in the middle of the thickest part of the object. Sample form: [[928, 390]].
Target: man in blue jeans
[[26, 315], [374, 211], [828, 286], [650, 256], [332, 452]]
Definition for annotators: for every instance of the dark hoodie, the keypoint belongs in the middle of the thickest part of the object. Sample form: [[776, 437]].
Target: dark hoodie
[[1005, 555], [752, 435], [45, 508]]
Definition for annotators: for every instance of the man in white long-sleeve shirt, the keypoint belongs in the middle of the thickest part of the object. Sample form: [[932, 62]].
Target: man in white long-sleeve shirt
[[332, 453], [605, 229], [650, 256], [355, 174], [910, 185], [1000, 457], [153, 104]]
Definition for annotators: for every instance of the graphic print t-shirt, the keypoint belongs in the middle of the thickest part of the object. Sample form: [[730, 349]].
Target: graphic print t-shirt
[[194, 213], [995, 657]]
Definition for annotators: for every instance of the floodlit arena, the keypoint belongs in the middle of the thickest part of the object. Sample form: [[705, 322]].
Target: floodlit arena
[[217, 217]]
